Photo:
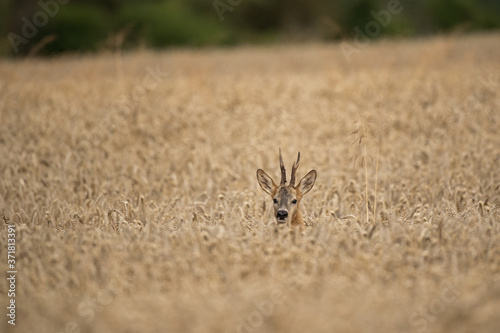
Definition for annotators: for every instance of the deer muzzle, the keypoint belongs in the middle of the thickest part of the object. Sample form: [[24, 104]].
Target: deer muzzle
[[281, 215]]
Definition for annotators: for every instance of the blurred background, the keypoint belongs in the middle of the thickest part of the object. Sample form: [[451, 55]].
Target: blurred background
[[49, 27]]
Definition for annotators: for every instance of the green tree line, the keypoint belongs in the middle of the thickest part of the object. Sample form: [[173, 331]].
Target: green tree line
[[55, 26]]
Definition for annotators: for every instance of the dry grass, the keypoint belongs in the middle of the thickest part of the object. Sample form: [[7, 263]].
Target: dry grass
[[142, 213]]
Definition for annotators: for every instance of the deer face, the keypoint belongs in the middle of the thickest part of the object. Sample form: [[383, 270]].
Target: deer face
[[286, 198], [285, 203]]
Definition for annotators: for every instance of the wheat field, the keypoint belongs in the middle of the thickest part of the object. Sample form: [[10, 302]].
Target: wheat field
[[131, 181]]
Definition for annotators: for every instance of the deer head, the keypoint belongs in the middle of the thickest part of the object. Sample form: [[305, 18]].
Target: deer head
[[286, 198]]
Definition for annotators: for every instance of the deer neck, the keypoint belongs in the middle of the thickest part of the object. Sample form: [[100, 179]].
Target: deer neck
[[297, 218]]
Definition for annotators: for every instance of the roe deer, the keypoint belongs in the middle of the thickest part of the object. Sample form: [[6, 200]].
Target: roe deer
[[286, 198]]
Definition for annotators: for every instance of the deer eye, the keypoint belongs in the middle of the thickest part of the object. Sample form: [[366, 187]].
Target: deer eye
[[294, 201], [275, 200]]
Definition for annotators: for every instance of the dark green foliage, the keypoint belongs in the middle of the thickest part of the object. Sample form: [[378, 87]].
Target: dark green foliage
[[166, 23], [449, 14], [85, 25], [77, 28]]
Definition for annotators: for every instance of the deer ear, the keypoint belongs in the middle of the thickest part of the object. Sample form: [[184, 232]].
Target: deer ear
[[265, 182], [307, 183]]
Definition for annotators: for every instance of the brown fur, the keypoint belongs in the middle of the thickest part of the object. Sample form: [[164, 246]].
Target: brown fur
[[286, 198]]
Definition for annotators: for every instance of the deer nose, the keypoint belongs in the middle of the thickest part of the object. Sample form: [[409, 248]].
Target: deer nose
[[282, 214]]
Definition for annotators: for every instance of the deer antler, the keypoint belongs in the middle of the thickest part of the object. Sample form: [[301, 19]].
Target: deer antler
[[283, 171], [294, 169]]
